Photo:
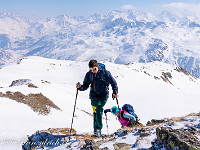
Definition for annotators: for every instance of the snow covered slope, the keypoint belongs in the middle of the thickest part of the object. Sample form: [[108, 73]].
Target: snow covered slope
[[156, 90]]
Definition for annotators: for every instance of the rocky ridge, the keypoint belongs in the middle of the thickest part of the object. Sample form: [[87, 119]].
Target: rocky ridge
[[175, 133]]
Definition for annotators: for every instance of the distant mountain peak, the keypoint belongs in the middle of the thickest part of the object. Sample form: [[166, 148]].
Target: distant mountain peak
[[118, 36]]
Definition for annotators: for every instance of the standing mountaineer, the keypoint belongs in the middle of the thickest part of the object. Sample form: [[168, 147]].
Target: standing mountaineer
[[99, 78]]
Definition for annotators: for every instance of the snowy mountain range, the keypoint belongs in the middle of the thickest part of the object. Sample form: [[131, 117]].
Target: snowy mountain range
[[39, 93], [120, 36]]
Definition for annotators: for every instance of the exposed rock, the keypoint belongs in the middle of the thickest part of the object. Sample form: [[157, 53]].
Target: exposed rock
[[147, 73], [179, 69], [177, 138], [154, 122], [105, 148], [38, 102], [144, 132], [157, 78], [198, 126], [165, 76], [19, 61], [136, 124], [90, 144], [170, 123], [98, 143], [45, 82], [31, 85], [60, 131], [185, 138], [20, 82], [122, 133], [122, 146]]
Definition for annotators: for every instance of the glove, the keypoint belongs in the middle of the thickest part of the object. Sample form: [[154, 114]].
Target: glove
[[107, 110], [78, 85], [114, 95], [133, 118]]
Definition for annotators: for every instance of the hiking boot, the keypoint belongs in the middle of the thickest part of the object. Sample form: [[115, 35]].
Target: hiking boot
[[98, 133], [95, 131]]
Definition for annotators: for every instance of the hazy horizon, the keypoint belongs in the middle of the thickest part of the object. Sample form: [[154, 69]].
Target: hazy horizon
[[51, 8]]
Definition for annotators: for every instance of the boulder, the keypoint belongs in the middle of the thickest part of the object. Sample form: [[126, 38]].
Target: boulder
[[122, 146], [177, 139]]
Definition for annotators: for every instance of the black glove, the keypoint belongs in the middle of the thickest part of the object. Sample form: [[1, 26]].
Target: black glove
[[107, 110]]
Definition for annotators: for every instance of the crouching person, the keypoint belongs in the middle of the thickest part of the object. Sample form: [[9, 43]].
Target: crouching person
[[125, 118]]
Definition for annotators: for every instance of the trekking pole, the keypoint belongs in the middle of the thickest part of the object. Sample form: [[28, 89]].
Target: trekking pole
[[116, 100], [73, 112], [119, 110], [117, 103], [107, 123]]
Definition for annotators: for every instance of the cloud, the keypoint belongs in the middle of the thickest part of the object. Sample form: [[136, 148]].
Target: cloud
[[128, 7], [183, 8], [188, 6]]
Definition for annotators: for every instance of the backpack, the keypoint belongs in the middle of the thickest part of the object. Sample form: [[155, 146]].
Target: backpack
[[129, 108], [102, 65]]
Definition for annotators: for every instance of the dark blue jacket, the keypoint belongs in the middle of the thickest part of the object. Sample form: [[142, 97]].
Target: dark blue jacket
[[99, 82]]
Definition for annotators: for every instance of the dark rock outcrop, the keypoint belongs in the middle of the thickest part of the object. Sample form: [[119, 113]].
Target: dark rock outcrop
[[154, 122], [20, 82], [176, 139]]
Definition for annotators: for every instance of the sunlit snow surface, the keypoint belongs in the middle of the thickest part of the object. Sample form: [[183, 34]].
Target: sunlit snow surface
[[151, 98]]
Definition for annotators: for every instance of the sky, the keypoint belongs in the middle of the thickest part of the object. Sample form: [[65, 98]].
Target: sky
[[48, 8]]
